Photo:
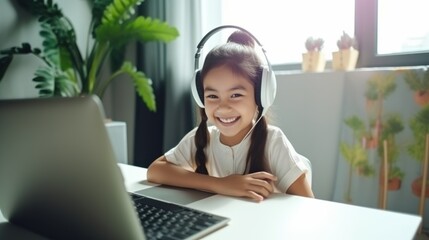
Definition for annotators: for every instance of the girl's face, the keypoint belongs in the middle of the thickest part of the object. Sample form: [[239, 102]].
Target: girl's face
[[230, 105]]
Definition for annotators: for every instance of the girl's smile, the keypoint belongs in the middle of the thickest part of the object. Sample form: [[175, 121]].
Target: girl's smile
[[228, 120], [230, 105]]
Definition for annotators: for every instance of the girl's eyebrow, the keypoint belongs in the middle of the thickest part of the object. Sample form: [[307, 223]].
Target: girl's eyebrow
[[238, 87]]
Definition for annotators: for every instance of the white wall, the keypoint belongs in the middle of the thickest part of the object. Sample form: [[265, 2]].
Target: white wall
[[17, 26], [308, 109]]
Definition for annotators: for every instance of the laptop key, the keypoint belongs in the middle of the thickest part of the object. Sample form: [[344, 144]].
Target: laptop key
[[163, 220]]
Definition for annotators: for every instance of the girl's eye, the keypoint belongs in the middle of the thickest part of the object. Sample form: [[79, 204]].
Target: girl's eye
[[236, 95], [211, 96]]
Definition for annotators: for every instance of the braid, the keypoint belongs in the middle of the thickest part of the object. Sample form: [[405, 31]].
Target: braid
[[201, 139], [256, 156]]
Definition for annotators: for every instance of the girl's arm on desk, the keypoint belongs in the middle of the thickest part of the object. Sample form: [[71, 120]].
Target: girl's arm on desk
[[301, 187], [256, 186]]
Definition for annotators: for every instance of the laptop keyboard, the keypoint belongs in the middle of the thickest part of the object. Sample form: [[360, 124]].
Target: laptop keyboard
[[163, 220]]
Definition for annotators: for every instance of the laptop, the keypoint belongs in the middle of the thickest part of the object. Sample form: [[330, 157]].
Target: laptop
[[59, 177]]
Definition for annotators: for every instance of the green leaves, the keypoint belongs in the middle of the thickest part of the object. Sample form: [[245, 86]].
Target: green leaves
[[119, 11], [141, 29], [118, 27], [66, 71], [417, 82], [357, 125], [6, 60], [41, 8], [98, 7], [379, 86], [355, 154], [50, 45], [54, 82], [24, 49], [142, 83], [357, 157], [420, 128]]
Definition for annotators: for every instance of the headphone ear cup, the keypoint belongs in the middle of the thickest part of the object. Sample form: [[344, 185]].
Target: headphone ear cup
[[268, 88], [197, 89]]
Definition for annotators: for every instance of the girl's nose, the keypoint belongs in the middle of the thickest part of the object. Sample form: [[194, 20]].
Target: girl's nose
[[223, 107]]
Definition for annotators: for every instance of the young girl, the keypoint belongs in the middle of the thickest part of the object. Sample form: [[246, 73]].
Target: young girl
[[239, 154]]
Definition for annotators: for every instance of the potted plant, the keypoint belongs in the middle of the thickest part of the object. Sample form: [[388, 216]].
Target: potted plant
[[67, 71], [419, 84], [419, 125], [313, 60], [379, 86], [345, 58], [391, 127]]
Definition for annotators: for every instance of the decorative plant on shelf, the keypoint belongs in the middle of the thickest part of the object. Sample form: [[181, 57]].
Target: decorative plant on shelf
[[314, 44], [313, 59], [346, 42], [346, 58], [68, 72], [355, 153], [419, 125], [419, 83]]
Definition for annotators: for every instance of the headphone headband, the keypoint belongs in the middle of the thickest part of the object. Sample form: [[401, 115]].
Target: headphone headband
[[217, 29], [265, 90]]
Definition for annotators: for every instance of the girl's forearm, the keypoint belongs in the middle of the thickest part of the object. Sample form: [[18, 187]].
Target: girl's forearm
[[163, 172]]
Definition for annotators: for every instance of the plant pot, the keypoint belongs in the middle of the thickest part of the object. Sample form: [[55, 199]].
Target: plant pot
[[416, 187], [370, 143], [345, 60], [313, 61], [421, 97], [393, 184]]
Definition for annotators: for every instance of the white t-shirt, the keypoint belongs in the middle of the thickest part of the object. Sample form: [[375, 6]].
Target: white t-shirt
[[282, 159]]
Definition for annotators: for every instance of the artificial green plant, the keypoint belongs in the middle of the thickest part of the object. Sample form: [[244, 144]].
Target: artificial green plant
[[67, 71], [355, 153], [379, 86], [419, 125], [391, 127], [415, 81], [419, 84]]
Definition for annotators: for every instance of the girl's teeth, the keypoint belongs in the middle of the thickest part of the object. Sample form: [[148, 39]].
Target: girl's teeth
[[227, 120]]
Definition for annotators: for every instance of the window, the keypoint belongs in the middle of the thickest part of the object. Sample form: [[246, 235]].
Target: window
[[283, 26], [389, 33], [401, 26]]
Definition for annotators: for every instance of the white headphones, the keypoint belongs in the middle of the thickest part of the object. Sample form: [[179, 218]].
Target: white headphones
[[264, 94]]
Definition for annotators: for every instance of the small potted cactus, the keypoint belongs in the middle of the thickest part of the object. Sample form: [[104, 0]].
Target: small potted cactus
[[345, 58], [313, 60]]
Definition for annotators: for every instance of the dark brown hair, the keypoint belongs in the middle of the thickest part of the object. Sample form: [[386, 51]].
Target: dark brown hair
[[239, 55]]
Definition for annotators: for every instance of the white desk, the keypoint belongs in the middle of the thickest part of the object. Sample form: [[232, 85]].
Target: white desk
[[290, 217]]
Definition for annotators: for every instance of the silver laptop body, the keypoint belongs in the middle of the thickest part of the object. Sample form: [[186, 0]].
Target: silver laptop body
[[58, 174]]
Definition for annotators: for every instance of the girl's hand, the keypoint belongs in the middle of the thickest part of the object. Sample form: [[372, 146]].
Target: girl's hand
[[256, 185]]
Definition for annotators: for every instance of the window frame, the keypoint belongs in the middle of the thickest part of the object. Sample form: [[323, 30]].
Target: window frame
[[366, 33]]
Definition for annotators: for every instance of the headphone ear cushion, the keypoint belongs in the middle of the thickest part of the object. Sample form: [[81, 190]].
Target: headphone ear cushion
[[258, 89], [197, 89], [268, 88]]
